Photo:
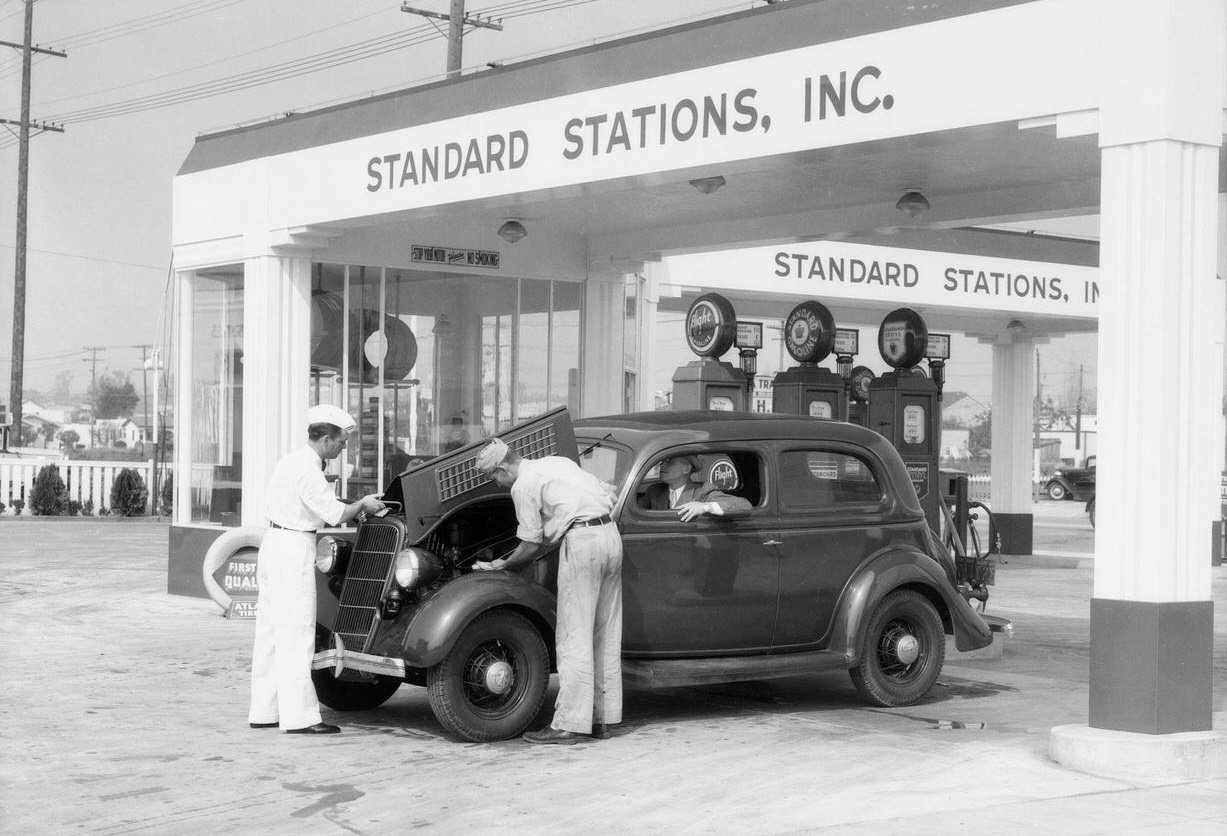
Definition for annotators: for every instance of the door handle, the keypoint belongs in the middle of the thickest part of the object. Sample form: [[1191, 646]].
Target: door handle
[[773, 542]]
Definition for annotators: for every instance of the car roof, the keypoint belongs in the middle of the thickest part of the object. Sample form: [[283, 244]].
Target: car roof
[[639, 428]]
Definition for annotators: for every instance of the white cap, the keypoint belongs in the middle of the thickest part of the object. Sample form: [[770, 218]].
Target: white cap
[[328, 414], [491, 456]]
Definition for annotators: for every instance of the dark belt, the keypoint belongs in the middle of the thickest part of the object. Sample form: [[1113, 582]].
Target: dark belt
[[287, 528], [604, 519]]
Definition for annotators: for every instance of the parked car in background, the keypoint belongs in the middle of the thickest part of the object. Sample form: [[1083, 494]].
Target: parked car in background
[[834, 567], [1077, 483]]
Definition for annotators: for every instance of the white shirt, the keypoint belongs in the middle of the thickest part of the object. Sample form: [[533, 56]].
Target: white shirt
[[675, 495], [553, 492], [299, 496]]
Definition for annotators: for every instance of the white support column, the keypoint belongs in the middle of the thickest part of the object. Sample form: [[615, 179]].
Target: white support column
[[276, 360], [601, 374], [1013, 435], [1164, 77]]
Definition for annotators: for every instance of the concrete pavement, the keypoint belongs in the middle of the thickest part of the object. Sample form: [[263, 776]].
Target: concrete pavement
[[124, 712]]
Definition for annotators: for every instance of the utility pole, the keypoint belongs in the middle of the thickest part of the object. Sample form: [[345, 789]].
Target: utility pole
[[93, 388], [1035, 421], [456, 21], [1078, 419], [23, 173], [144, 369]]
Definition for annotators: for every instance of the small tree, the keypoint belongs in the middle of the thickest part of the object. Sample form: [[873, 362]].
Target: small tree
[[49, 497], [69, 439], [128, 494]]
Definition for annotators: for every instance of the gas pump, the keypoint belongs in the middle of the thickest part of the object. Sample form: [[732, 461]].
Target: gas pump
[[904, 405], [710, 383], [807, 389]]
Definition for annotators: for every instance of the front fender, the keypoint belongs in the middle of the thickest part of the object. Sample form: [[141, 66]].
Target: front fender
[[895, 570], [438, 621]]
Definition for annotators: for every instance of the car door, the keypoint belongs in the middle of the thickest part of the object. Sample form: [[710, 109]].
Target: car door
[[831, 507], [703, 587]]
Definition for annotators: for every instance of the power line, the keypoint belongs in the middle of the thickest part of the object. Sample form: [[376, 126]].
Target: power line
[[294, 68]]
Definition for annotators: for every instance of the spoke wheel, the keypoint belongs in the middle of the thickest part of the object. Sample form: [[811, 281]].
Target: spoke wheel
[[903, 648], [491, 685]]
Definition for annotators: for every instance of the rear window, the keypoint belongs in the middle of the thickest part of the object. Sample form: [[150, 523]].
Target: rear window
[[812, 480]]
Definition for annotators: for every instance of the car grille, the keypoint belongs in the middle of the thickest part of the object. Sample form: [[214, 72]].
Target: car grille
[[370, 566]]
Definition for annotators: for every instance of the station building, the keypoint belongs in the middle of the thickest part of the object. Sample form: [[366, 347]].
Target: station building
[[447, 260]]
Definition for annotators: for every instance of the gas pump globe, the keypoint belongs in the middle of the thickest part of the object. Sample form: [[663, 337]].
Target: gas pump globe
[[807, 389], [847, 345]]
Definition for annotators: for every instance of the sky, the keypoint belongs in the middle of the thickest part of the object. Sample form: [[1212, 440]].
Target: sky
[[100, 193]]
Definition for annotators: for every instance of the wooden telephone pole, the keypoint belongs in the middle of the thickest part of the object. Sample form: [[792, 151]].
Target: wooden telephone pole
[[23, 175], [456, 21]]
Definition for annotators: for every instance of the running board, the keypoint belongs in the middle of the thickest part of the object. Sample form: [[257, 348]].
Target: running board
[[672, 673]]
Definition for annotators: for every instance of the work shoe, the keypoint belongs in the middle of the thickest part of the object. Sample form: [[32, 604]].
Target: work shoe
[[271, 725], [318, 728], [549, 734], [600, 731]]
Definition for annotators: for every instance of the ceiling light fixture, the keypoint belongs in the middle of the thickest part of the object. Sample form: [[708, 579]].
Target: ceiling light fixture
[[1016, 327], [512, 231], [707, 185], [913, 203]]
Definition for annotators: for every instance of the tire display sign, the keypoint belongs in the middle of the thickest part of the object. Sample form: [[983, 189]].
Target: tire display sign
[[903, 338], [711, 325], [809, 332], [238, 578]]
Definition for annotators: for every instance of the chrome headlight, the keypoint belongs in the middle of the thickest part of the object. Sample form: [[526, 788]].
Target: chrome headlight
[[416, 567], [330, 552]]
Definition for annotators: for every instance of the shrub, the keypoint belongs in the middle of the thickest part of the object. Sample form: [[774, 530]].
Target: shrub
[[18, 504], [168, 495], [2, 507], [74, 508], [129, 494], [103, 511], [87, 508], [49, 498]]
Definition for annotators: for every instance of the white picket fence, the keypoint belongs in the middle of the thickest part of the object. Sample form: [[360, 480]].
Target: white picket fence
[[86, 481]]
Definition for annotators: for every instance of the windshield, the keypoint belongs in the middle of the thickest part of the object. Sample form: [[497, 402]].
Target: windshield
[[604, 459]]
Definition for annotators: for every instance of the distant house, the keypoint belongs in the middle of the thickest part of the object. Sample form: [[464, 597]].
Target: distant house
[[109, 431], [44, 431], [961, 409]]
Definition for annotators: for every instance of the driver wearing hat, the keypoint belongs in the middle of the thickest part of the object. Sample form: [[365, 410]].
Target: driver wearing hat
[[298, 501]]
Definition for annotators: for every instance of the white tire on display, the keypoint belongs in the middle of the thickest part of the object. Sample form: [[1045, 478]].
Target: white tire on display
[[224, 548]]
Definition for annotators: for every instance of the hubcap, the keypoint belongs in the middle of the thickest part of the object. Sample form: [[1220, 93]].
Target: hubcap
[[907, 649], [499, 677]]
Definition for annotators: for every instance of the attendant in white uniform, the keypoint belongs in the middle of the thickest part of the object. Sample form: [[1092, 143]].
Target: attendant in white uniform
[[298, 501], [557, 500]]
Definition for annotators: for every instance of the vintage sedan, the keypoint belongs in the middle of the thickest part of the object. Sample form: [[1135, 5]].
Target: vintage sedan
[[833, 567], [1077, 483]]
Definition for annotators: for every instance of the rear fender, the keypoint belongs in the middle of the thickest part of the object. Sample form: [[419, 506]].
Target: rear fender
[[439, 621], [898, 570]]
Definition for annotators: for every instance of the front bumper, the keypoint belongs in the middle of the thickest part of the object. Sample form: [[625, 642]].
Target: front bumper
[[339, 659]]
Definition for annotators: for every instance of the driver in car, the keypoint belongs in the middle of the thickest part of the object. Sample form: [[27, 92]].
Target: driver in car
[[691, 499]]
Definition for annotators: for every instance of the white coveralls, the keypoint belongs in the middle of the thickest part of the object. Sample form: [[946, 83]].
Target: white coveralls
[[551, 495], [300, 499]]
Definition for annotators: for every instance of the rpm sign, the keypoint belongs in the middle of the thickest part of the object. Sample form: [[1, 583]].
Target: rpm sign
[[809, 332], [902, 338], [711, 325]]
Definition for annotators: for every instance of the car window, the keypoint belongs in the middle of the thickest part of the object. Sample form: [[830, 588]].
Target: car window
[[734, 472], [817, 479], [605, 461]]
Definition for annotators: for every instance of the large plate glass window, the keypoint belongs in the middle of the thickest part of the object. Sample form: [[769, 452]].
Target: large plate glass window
[[211, 333]]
